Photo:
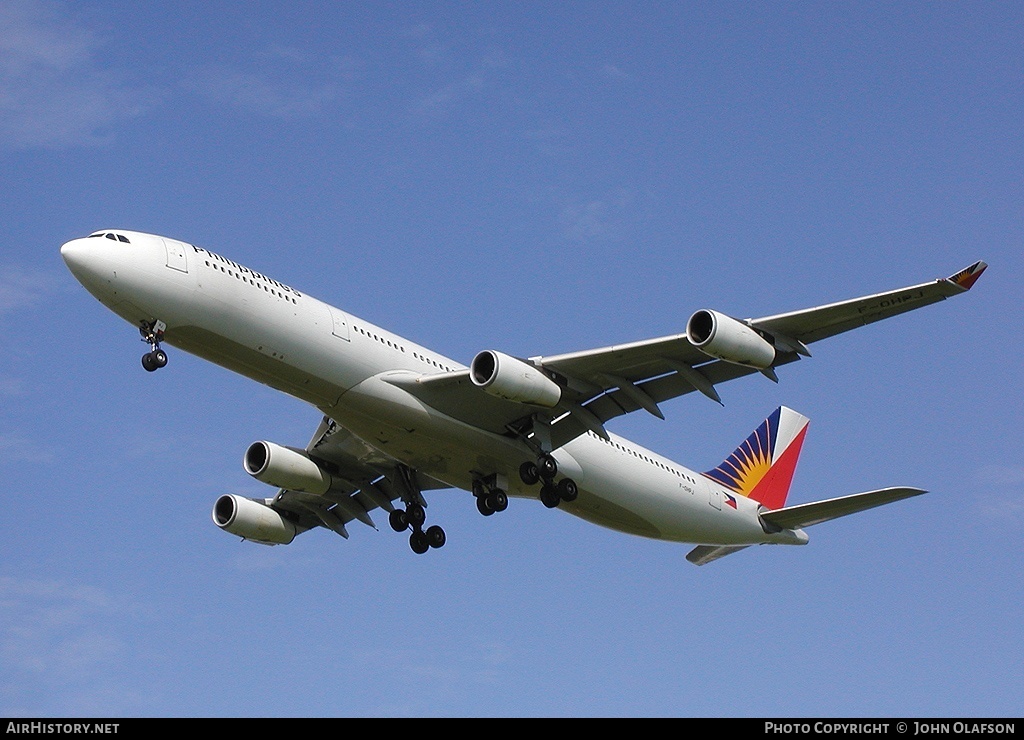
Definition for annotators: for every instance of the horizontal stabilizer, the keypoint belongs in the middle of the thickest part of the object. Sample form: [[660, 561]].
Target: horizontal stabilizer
[[806, 515], [704, 554]]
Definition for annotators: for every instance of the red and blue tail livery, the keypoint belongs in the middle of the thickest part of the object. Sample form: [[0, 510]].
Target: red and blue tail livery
[[762, 467]]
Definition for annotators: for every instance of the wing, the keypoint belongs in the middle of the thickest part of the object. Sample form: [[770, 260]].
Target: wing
[[625, 378], [600, 384], [372, 480]]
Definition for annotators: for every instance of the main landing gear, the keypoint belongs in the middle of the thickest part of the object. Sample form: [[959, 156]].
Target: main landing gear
[[545, 469], [489, 497], [413, 516], [153, 333]]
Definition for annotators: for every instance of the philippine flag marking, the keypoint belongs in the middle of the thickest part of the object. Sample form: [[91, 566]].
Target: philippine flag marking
[[730, 500]]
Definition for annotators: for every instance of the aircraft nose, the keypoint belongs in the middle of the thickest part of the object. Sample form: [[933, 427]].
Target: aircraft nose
[[89, 261], [75, 254]]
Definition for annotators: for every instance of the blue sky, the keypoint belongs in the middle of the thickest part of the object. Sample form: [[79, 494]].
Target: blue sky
[[535, 178]]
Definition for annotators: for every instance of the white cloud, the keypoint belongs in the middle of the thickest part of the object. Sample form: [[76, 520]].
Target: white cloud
[[614, 72], [21, 288], [260, 92], [450, 93], [11, 386], [47, 627], [1002, 494], [1002, 475], [53, 91], [14, 449], [282, 82], [61, 650], [596, 219]]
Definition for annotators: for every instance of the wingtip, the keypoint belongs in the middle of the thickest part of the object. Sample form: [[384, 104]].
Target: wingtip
[[968, 276]]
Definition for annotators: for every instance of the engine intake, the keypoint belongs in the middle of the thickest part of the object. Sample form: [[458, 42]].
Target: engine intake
[[284, 467], [252, 520], [728, 339], [514, 380]]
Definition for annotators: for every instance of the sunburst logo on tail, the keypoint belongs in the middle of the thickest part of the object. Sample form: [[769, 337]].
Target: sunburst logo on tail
[[762, 467]]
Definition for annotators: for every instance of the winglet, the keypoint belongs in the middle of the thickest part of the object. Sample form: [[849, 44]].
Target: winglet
[[762, 467], [968, 276]]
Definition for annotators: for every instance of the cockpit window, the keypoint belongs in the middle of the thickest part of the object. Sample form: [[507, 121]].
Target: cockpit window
[[115, 237]]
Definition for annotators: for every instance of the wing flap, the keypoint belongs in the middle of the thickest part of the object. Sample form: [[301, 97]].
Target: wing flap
[[372, 481]]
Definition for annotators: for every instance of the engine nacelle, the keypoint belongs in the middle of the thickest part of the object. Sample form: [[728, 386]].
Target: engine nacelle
[[724, 337], [514, 380], [252, 520], [285, 468]]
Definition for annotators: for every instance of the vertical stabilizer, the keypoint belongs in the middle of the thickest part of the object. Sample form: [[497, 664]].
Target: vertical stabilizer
[[762, 467]]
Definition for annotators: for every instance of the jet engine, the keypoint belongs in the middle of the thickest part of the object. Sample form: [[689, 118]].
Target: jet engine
[[284, 467], [252, 520], [514, 380], [728, 339]]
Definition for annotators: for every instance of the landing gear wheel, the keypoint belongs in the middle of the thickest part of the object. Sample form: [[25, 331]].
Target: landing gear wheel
[[418, 542], [148, 362], [415, 515], [549, 496], [398, 520], [529, 473], [482, 506], [547, 467], [435, 536], [497, 500], [567, 489]]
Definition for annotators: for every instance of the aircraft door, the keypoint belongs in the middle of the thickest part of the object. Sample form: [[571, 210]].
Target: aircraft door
[[714, 497], [175, 255], [340, 324]]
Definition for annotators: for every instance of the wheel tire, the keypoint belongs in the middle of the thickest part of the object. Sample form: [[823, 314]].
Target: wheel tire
[[436, 536], [159, 358], [547, 467], [418, 542], [415, 515], [498, 500], [398, 520], [149, 362], [549, 496], [483, 507], [529, 473], [567, 489]]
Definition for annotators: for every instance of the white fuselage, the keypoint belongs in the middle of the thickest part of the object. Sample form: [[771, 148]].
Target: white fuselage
[[267, 331]]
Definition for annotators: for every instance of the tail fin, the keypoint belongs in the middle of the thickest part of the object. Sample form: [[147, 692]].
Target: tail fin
[[762, 467]]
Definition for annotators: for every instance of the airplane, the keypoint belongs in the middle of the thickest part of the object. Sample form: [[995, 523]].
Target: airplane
[[399, 419]]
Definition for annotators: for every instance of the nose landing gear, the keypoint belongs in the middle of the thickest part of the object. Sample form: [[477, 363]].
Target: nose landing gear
[[152, 333]]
